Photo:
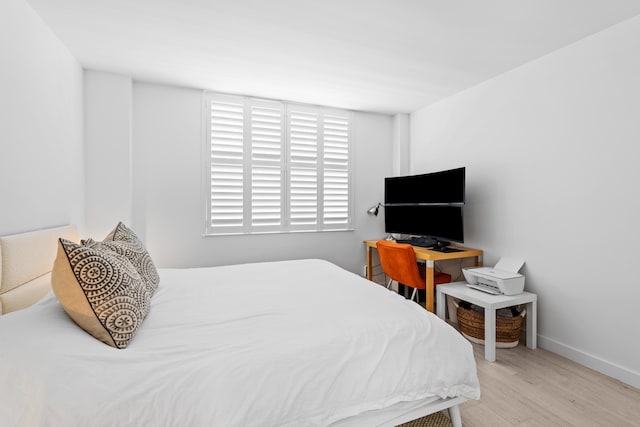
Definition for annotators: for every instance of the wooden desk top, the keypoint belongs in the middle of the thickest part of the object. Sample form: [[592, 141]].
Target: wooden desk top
[[429, 255]]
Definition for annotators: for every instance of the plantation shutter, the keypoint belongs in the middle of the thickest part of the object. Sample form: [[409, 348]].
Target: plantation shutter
[[227, 164], [266, 165], [276, 167], [336, 170], [303, 168]]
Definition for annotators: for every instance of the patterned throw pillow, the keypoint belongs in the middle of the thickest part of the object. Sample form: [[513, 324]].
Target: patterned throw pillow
[[135, 254], [101, 291], [128, 244]]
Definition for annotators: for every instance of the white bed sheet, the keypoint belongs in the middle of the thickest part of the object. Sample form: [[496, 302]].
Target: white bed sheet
[[292, 343]]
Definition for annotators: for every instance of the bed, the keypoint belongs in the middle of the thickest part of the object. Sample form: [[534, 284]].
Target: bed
[[290, 343]]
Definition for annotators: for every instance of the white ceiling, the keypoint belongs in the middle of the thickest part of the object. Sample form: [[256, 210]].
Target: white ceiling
[[372, 55]]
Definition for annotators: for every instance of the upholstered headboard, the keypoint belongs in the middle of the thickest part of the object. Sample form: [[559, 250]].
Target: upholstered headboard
[[26, 260]]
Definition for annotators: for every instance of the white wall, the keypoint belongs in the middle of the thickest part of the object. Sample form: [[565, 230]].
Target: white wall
[[552, 155], [401, 143], [107, 136], [41, 167], [167, 178]]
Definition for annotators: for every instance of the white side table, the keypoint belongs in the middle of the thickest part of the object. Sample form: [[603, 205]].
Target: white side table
[[490, 303]]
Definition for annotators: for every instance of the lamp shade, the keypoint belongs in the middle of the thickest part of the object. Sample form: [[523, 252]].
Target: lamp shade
[[374, 210]]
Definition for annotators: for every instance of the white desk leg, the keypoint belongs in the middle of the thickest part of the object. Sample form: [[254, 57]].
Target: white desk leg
[[532, 322], [490, 334], [441, 304]]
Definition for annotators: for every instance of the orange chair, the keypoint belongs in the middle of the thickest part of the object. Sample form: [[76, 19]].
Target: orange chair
[[399, 263]]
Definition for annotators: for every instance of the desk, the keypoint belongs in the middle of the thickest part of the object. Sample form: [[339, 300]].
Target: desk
[[430, 257], [491, 303]]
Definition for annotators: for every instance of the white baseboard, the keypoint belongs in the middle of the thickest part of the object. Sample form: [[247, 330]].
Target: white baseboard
[[606, 367]]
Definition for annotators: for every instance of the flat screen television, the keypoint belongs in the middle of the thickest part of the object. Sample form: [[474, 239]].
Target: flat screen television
[[443, 187], [438, 222]]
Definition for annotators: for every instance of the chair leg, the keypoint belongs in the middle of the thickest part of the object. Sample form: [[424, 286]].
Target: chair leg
[[415, 291], [389, 282]]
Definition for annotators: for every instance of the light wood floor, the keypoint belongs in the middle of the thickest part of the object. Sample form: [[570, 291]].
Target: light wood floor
[[525, 387]]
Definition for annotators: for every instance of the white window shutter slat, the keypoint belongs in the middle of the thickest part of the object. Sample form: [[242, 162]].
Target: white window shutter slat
[[336, 196], [303, 140], [336, 142], [266, 134], [303, 196]]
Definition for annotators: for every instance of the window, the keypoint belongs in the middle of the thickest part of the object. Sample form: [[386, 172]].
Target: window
[[276, 167]]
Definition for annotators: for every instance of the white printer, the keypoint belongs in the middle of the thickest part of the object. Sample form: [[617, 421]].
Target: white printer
[[503, 278]]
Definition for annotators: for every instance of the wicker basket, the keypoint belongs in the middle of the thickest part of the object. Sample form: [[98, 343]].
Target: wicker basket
[[508, 329]]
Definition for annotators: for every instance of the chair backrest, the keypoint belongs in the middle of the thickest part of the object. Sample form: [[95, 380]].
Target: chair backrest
[[398, 261]]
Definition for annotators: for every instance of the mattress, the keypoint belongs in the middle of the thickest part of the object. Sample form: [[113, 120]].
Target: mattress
[[292, 343]]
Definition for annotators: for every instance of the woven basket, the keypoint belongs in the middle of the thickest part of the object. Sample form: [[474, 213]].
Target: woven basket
[[508, 329]]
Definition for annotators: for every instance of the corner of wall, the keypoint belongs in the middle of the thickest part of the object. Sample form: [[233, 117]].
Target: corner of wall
[[400, 144], [108, 100]]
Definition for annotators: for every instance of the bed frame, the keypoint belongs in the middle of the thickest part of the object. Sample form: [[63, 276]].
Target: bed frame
[[25, 277], [451, 405]]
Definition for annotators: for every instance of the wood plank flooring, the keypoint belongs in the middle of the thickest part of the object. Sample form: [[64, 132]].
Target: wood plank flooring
[[525, 387]]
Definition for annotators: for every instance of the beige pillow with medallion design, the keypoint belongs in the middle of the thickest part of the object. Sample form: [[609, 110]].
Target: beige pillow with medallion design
[[101, 290]]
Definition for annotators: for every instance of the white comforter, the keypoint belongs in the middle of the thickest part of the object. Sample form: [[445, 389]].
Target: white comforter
[[293, 343]]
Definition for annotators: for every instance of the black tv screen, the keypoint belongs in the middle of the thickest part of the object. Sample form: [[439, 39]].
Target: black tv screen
[[444, 187], [435, 221]]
